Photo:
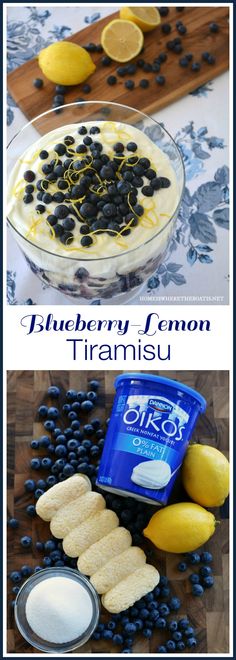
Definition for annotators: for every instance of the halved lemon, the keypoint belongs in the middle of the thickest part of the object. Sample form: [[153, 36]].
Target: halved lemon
[[122, 40], [147, 18]]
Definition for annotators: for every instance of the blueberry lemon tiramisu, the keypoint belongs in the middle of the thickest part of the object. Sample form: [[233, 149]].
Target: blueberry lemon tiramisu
[[93, 202]]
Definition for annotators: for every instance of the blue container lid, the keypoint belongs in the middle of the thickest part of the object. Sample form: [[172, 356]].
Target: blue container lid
[[164, 381]]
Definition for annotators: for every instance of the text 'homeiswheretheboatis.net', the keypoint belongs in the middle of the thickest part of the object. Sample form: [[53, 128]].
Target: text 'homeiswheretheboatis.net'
[[134, 348]]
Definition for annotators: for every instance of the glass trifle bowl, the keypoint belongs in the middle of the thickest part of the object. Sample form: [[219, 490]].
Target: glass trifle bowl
[[94, 190]]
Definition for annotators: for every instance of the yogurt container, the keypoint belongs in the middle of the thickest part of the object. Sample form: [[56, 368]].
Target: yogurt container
[[151, 424]]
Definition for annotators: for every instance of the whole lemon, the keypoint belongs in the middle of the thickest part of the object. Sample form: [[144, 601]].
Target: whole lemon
[[205, 475], [180, 527], [66, 63]]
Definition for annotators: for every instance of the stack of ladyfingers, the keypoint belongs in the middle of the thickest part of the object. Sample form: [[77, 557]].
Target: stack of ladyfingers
[[91, 532]]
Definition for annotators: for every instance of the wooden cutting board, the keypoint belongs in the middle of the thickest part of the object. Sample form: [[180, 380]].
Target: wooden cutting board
[[26, 390], [179, 81]]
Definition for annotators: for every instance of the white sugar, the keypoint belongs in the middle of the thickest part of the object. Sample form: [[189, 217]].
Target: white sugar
[[59, 610]]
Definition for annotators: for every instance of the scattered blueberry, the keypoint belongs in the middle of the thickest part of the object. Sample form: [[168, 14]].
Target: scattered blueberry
[[197, 590], [26, 541], [214, 27], [13, 523], [38, 83]]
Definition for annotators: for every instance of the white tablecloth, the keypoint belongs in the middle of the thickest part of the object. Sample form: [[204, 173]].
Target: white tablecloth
[[196, 267]]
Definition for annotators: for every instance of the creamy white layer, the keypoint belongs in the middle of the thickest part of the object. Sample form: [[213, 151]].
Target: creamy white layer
[[158, 209]]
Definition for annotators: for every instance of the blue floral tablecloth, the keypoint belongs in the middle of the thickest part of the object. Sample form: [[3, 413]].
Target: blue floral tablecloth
[[196, 267]]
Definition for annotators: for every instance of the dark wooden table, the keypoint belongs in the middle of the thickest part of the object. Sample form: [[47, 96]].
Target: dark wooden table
[[26, 390]]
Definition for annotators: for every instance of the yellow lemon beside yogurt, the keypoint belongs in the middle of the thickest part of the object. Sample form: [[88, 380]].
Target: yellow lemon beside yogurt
[[205, 475], [180, 528]]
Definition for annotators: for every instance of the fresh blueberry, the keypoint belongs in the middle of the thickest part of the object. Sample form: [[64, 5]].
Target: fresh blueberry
[[182, 566], [147, 67], [160, 80], [87, 406], [208, 581], [46, 463], [180, 646], [68, 470], [130, 628], [37, 569], [49, 425], [118, 639], [96, 635], [44, 441], [206, 557], [50, 545], [144, 613], [205, 571], [173, 626], [193, 558], [30, 510], [15, 590], [162, 649], [39, 546], [165, 592], [196, 66], [34, 444], [43, 411], [61, 439], [182, 29], [174, 604], [163, 11], [170, 645], [13, 523], [197, 590], [160, 623], [106, 61], [183, 624], [26, 541], [191, 642], [15, 576], [55, 555], [189, 631], [194, 578], [166, 28], [183, 62], [35, 464], [53, 413], [112, 80], [214, 27], [147, 191], [129, 84], [92, 396], [86, 88], [211, 59], [38, 492], [47, 562], [26, 570], [107, 634], [38, 83], [177, 636], [164, 609]]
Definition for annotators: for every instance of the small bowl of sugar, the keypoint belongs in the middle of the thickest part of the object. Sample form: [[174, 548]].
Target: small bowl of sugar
[[57, 610]]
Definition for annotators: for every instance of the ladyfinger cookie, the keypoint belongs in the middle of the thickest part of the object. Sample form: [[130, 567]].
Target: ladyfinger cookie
[[117, 569], [131, 589], [60, 494], [104, 550], [80, 538], [73, 514]]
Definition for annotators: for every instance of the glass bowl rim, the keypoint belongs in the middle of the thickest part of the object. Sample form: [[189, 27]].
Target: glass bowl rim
[[48, 572], [124, 253]]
